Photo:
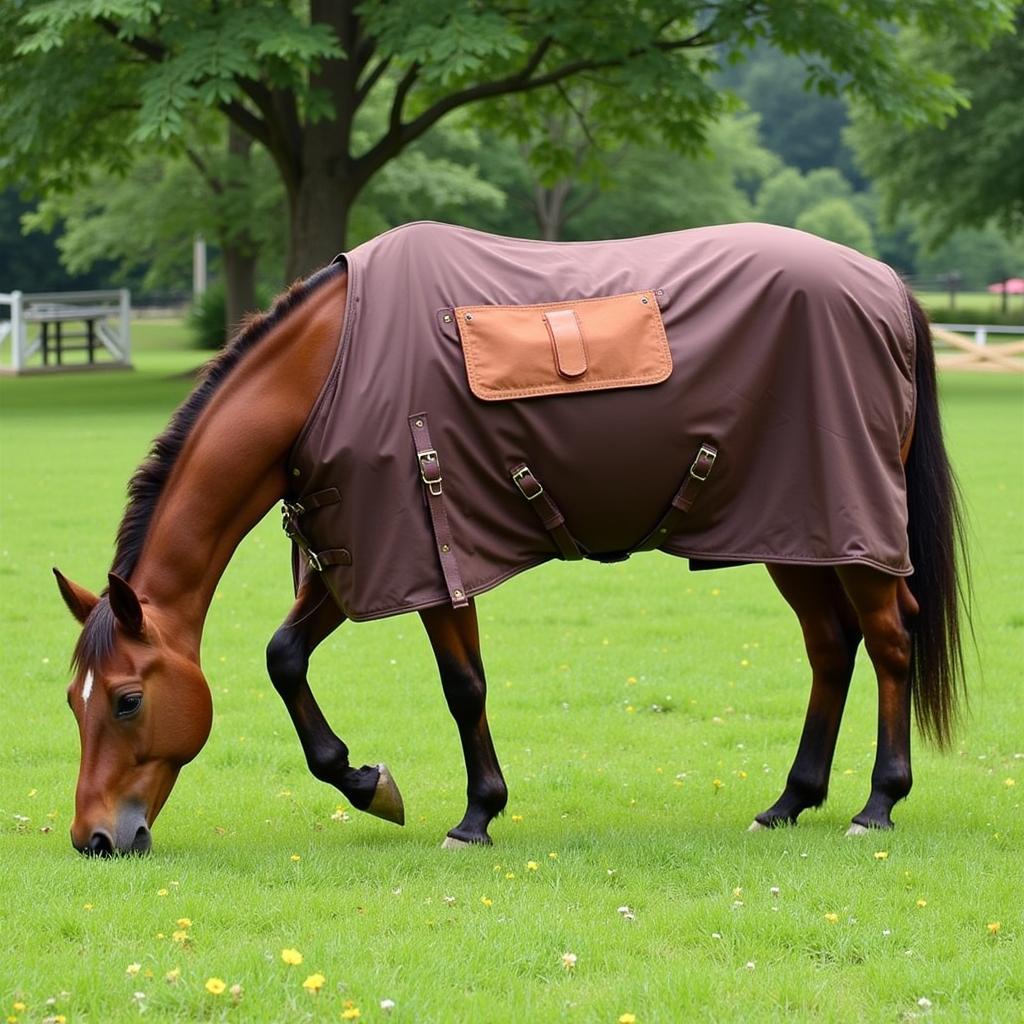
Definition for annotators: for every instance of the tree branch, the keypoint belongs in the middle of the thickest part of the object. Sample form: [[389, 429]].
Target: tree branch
[[371, 79]]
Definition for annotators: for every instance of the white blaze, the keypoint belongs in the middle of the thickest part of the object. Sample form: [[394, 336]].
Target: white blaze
[[87, 687]]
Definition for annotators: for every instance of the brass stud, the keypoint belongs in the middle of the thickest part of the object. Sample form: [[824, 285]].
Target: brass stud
[[445, 548], [644, 300], [447, 318], [419, 423], [458, 593], [296, 471], [469, 316]]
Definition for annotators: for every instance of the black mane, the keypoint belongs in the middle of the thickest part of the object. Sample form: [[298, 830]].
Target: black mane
[[148, 481]]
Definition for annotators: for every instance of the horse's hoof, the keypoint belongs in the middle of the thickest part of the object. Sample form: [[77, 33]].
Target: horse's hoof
[[756, 826], [857, 830], [451, 843], [387, 801]]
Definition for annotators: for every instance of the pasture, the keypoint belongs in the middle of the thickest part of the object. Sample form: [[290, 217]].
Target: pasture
[[642, 715]]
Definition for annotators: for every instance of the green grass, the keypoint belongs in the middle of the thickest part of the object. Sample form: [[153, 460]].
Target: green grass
[[625, 798]]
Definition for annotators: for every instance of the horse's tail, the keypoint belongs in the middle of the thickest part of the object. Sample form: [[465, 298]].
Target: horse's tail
[[941, 582]]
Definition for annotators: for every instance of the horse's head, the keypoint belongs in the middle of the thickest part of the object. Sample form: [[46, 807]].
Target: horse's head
[[143, 710]]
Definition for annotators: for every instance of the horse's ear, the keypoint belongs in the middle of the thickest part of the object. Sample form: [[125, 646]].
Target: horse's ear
[[125, 604], [79, 600]]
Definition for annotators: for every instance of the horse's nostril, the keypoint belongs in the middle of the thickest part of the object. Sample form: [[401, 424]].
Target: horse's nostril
[[143, 840], [100, 845]]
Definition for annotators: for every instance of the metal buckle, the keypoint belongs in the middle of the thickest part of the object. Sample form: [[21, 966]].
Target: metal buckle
[[705, 453], [517, 478], [314, 562], [429, 458]]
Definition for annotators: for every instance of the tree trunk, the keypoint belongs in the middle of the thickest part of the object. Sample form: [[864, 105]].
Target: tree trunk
[[239, 267], [237, 246], [323, 192], [319, 219]]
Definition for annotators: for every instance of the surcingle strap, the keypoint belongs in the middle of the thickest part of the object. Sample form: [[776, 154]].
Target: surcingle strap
[[433, 484], [292, 512], [675, 517], [547, 512]]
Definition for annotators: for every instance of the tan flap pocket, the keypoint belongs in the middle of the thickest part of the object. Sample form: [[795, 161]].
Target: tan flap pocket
[[559, 347]]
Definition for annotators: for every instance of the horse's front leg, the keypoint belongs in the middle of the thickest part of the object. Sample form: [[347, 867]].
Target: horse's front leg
[[455, 639], [313, 617]]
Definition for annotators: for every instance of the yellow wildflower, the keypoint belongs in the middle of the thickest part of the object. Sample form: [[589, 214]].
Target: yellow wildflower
[[87, 906], [486, 901], [172, 976], [12, 1020], [291, 956], [351, 1013], [552, 855], [517, 818], [184, 922], [532, 865], [993, 927], [881, 854], [296, 857], [132, 969], [569, 961], [922, 903], [180, 936], [1009, 782], [215, 986], [832, 918], [314, 983], [510, 875], [627, 1018], [161, 892], [717, 783]]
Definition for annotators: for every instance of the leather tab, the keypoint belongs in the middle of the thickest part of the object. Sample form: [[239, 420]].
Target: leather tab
[[567, 341]]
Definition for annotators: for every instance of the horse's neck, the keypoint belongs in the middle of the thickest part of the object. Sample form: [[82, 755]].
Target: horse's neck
[[232, 469]]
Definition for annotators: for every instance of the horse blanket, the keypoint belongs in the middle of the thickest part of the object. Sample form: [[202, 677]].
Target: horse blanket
[[763, 376]]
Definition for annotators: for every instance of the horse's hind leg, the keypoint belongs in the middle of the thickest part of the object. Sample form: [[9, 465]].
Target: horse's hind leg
[[883, 604], [455, 639], [831, 634], [313, 617]]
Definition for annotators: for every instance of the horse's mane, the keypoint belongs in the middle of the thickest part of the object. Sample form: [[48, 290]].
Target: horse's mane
[[148, 481]]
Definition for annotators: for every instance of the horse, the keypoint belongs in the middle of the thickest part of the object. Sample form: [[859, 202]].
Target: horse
[[232, 450]]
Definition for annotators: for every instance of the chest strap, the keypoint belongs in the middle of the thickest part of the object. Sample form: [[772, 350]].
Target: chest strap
[[547, 512], [675, 517], [433, 485], [291, 514]]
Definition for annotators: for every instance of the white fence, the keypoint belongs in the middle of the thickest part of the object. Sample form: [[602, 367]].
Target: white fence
[[981, 353], [50, 325]]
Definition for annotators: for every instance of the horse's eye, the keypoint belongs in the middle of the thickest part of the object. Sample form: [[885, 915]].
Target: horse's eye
[[128, 705]]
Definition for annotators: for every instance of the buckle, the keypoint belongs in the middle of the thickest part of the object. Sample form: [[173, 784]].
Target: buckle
[[314, 562], [428, 461], [517, 479], [706, 460]]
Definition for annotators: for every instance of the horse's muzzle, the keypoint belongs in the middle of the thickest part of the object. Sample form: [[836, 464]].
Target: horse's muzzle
[[131, 835]]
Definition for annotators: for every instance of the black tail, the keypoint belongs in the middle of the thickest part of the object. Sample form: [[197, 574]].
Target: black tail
[[940, 582]]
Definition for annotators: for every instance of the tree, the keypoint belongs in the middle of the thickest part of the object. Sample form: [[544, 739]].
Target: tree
[[89, 81], [966, 169], [837, 220]]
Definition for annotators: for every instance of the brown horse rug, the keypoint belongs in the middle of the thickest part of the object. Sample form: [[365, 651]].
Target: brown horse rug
[[728, 394]]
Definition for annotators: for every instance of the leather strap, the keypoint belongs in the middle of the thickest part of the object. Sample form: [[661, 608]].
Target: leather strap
[[567, 340], [683, 501], [547, 512], [430, 474], [292, 511]]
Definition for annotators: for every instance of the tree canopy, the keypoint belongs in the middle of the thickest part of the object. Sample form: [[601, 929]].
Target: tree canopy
[[967, 168], [89, 83]]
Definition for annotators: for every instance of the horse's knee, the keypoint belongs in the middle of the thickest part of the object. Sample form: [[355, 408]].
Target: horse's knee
[[830, 650], [465, 689], [287, 661]]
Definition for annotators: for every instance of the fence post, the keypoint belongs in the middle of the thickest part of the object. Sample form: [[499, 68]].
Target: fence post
[[17, 329], [125, 302], [980, 336]]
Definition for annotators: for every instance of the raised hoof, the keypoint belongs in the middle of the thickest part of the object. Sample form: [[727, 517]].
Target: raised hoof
[[857, 830], [387, 801]]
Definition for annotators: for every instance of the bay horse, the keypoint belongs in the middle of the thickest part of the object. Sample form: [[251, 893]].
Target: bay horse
[[141, 700]]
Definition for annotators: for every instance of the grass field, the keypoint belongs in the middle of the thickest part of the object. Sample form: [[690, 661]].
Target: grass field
[[613, 804]]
